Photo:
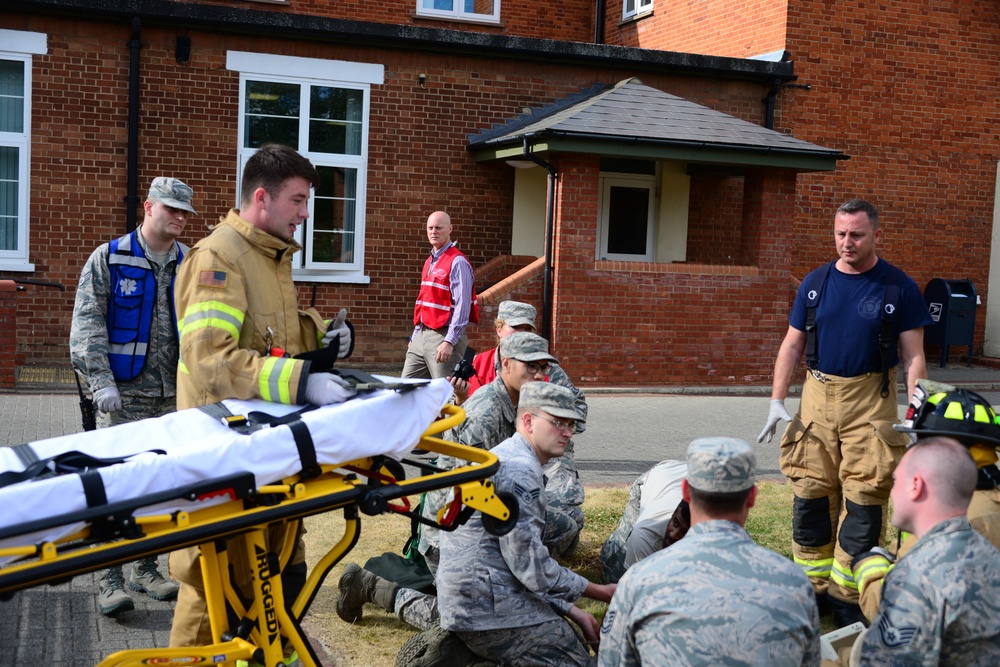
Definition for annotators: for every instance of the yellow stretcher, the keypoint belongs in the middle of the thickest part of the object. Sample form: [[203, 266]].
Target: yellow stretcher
[[369, 485]]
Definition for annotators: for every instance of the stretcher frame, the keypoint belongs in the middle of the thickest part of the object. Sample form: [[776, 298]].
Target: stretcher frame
[[368, 485]]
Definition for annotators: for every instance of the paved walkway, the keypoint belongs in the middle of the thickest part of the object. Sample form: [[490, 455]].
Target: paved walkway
[[629, 430]]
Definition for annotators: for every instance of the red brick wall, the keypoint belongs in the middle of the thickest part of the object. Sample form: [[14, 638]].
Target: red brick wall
[[714, 217], [570, 20], [909, 91], [672, 323], [418, 163], [733, 28]]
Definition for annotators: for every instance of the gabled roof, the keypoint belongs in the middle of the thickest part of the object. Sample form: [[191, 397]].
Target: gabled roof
[[631, 119]]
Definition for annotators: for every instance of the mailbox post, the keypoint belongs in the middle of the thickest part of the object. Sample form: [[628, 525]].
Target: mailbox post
[[952, 305]]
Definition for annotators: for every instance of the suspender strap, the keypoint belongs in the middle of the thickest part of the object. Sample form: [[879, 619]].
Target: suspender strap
[[813, 292], [888, 330]]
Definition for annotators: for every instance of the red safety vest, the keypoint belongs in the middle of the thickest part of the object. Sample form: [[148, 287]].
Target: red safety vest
[[433, 307]]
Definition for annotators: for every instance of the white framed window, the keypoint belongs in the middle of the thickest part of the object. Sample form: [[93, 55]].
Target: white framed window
[[322, 112], [632, 8], [627, 215], [483, 11], [15, 144]]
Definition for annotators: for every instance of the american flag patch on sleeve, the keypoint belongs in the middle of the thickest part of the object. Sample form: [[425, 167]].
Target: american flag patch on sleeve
[[212, 278]]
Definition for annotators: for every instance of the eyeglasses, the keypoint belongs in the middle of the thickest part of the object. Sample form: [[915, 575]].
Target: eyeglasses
[[534, 367], [561, 424]]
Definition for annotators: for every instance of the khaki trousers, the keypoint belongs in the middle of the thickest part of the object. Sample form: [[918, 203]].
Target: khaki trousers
[[839, 452], [420, 354]]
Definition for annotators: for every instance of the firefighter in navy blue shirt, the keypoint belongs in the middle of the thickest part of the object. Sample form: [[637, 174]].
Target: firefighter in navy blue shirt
[[856, 319]]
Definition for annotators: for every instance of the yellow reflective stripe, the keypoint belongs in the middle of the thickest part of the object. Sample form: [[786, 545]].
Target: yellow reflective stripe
[[869, 569], [843, 577], [181, 368], [815, 568], [275, 376], [212, 314]]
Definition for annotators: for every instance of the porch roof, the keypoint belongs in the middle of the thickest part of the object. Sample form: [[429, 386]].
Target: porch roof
[[631, 119]]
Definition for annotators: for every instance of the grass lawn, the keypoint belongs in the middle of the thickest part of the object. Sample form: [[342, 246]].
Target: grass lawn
[[374, 641]]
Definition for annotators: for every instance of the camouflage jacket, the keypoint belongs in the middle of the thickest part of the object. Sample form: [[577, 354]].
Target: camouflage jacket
[[88, 337], [939, 603], [713, 598], [486, 582]]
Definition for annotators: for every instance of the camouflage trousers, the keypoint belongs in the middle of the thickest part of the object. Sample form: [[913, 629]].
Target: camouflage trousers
[[417, 609], [615, 547], [550, 644], [563, 514], [135, 408]]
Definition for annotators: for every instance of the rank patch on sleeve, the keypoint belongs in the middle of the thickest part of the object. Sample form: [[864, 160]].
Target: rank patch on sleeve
[[212, 278]]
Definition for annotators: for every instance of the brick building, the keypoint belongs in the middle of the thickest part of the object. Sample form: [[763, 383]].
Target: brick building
[[672, 255]]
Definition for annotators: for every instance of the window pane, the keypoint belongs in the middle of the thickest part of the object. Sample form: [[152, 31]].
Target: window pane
[[628, 220], [335, 120], [8, 197], [272, 114], [479, 7], [447, 5], [334, 215], [11, 96]]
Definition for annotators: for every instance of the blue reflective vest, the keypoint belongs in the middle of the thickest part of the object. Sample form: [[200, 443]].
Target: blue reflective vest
[[131, 304]]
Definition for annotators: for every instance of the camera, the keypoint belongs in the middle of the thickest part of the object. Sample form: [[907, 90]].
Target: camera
[[463, 370]]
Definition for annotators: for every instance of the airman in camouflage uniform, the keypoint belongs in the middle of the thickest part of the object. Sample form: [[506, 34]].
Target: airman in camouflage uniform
[[504, 596], [105, 315], [714, 597], [940, 602], [489, 420], [564, 519], [654, 518]]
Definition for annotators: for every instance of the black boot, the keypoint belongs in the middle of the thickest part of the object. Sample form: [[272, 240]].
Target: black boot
[[845, 613]]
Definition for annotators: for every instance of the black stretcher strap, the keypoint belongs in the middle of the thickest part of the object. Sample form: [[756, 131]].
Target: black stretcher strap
[[64, 464]]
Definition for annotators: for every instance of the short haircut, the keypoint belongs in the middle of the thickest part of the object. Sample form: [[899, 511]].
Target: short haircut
[[717, 504], [948, 468], [270, 167], [857, 206]]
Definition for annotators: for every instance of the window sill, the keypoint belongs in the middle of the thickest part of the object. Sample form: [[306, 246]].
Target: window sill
[[675, 267], [16, 265], [314, 276], [459, 19], [635, 17]]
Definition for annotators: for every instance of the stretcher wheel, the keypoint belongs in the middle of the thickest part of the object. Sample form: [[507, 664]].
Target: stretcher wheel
[[395, 469], [498, 527]]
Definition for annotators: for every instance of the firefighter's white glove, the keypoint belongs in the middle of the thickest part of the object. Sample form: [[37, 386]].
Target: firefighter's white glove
[[327, 388], [339, 328], [777, 413], [108, 399]]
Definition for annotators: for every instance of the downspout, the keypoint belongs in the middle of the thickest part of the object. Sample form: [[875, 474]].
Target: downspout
[[769, 103], [132, 165], [599, 23], [550, 212]]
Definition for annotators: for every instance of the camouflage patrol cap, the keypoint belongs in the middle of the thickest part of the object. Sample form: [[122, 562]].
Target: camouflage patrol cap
[[721, 465], [516, 314], [172, 192], [554, 399], [526, 346]]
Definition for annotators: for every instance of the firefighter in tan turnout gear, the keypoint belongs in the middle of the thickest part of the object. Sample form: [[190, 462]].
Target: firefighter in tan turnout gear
[[240, 331]]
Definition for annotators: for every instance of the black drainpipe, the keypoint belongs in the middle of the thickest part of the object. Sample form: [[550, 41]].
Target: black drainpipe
[[550, 212], [769, 103], [131, 196], [599, 23]]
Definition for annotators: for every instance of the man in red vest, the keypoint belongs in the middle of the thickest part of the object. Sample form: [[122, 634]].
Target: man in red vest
[[445, 306]]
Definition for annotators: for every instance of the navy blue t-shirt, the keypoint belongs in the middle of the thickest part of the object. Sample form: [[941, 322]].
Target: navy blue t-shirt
[[849, 315]]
